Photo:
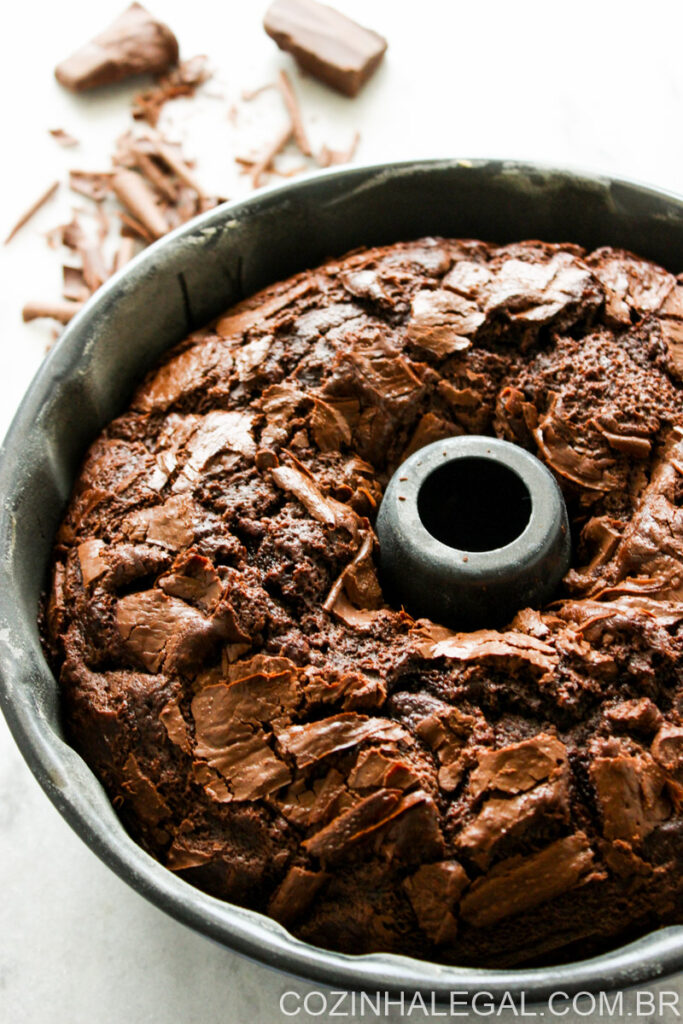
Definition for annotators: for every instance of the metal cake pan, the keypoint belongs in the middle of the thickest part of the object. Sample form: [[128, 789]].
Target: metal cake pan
[[175, 286]]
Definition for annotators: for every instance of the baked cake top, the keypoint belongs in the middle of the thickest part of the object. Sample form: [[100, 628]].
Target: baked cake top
[[269, 727]]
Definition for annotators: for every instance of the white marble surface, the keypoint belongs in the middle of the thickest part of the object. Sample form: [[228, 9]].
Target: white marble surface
[[593, 85]]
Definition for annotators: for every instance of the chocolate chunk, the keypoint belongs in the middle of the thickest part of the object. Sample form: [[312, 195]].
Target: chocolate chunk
[[667, 749], [377, 769], [353, 690], [156, 628], [213, 434], [142, 792], [325, 43], [92, 561], [510, 819], [315, 804], [309, 743], [652, 543], [193, 579], [528, 284], [632, 285], [332, 842], [447, 733], [554, 436], [176, 726], [324, 509], [182, 374], [639, 715], [518, 768], [225, 712], [386, 818], [135, 43], [631, 794], [434, 891], [171, 525], [443, 322], [249, 765], [296, 894], [488, 643], [522, 883]]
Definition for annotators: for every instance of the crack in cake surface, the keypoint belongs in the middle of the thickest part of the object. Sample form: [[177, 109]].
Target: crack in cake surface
[[267, 726]]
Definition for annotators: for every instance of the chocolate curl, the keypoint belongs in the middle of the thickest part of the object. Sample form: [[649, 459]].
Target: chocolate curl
[[136, 195], [61, 311], [33, 208], [135, 43]]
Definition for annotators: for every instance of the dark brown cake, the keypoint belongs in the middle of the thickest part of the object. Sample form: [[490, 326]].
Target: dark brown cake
[[269, 729]]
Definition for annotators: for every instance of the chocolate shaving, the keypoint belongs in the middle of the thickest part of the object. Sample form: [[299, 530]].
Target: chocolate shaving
[[63, 138], [94, 185], [61, 311], [33, 208], [250, 94], [264, 163], [289, 98], [124, 253], [132, 228], [74, 285], [329, 157], [520, 883], [182, 80]]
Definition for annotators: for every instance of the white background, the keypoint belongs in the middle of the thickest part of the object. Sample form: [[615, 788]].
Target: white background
[[594, 85]]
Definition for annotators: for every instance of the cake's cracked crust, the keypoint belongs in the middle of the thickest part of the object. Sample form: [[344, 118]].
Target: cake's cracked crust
[[273, 732]]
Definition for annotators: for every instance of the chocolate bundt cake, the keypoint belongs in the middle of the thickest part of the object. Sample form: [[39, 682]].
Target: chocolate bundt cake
[[272, 730]]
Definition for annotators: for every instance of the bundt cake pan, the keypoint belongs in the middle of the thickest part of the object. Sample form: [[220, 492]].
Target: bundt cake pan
[[175, 286]]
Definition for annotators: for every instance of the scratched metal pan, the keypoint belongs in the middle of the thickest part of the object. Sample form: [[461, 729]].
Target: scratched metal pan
[[175, 286]]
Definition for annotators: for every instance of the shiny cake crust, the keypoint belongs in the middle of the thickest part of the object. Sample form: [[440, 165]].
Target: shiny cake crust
[[267, 727]]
